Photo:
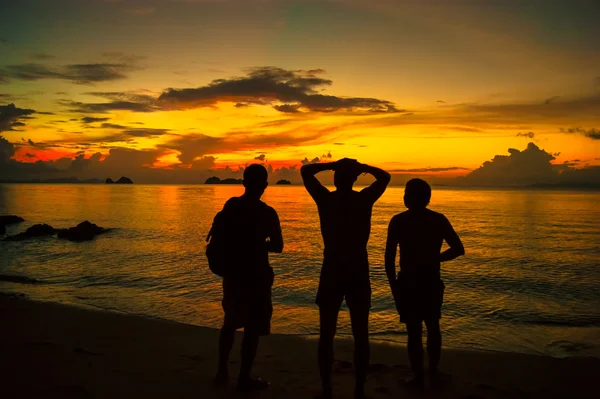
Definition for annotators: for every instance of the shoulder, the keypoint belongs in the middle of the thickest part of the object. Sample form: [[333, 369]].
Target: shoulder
[[397, 219], [269, 210]]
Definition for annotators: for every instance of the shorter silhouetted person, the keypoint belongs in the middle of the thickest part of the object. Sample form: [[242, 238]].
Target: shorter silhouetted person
[[345, 217], [418, 290], [249, 229]]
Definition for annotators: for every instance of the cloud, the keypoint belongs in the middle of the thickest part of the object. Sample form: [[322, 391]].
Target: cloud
[[425, 170], [286, 90], [42, 56], [7, 150], [530, 166], [75, 73], [10, 115], [261, 157], [103, 108], [91, 119], [593, 134], [441, 101], [118, 101], [528, 135], [112, 126], [305, 161], [551, 100]]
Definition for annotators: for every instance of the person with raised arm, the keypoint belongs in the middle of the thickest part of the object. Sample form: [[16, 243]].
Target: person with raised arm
[[345, 216]]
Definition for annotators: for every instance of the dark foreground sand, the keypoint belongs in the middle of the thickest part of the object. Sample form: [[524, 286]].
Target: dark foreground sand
[[55, 351]]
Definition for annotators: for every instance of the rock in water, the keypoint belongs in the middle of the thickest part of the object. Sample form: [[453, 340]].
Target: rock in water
[[84, 231], [10, 219], [124, 180], [37, 230], [109, 181]]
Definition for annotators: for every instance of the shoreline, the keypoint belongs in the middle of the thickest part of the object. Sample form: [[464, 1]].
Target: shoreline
[[375, 338], [59, 350]]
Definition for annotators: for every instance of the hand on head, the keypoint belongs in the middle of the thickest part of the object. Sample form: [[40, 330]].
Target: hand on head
[[348, 165]]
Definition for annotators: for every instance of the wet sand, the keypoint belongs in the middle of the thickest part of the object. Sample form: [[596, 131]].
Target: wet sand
[[57, 351]]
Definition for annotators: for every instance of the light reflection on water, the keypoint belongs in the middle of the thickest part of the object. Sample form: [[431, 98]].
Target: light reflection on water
[[528, 283]]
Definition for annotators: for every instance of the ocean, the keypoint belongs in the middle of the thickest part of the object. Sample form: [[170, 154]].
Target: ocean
[[529, 282]]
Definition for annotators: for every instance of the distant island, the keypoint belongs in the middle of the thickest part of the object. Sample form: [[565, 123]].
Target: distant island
[[122, 180], [216, 180], [283, 181], [58, 180]]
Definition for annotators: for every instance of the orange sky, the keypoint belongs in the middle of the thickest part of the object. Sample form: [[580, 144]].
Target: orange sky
[[432, 88]]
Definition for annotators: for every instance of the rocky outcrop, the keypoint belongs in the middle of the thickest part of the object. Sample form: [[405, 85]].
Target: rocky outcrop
[[283, 181], [124, 180], [37, 230], [84, 231], [216, 180], [10, 219]]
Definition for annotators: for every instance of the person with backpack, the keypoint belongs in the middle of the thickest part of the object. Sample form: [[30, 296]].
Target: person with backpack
[[241, 237], [418, 289]]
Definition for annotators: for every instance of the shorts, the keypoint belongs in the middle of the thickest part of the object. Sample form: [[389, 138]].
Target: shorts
[[334, 288], [418, 301], [247, 304]]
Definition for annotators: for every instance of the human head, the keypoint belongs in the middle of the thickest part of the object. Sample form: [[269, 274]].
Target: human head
[[345, 174], [255, 180], [417, 194]]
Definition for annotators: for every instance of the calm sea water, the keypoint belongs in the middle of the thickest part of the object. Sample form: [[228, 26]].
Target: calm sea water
[[530, 281]]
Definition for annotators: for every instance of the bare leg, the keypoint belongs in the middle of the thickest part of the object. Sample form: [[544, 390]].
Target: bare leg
[[415, 350], [360, 331], [226, 340], [434, 344], [328, 324], [249, 348]]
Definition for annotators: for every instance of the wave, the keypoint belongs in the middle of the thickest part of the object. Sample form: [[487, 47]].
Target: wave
[[19, 279]]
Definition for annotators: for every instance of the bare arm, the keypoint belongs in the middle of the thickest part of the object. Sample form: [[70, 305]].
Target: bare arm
[[390, 251], [453, 240], [375, 190], [275, 243], [312, 184]]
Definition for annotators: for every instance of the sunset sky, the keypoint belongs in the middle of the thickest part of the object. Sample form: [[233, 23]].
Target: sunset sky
[[179, 90]]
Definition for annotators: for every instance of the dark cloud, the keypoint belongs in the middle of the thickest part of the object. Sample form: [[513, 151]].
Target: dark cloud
[[241, 105], [593, 134], [425, 170], [286, 90], [75, 73], [122, 57], [103, 108], [28, 155], [91, 119], [10, 116], [42, 56], [530, 166], [7, 150], [339, 144], [326, 156], [441, 101], [528, 135], [118, 101], [464, 129], [45, 113], [305, 161], [261, 157], [112, 126], [551, 99], [289, 108]]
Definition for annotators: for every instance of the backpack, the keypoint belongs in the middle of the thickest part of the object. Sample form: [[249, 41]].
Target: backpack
[[215, 249]]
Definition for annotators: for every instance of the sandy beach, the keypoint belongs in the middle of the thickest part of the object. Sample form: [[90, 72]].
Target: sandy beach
[[57, 351]]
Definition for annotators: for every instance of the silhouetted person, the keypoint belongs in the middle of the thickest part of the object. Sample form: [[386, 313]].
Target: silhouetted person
[[251, 230], [419, 290], [345, 225]]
